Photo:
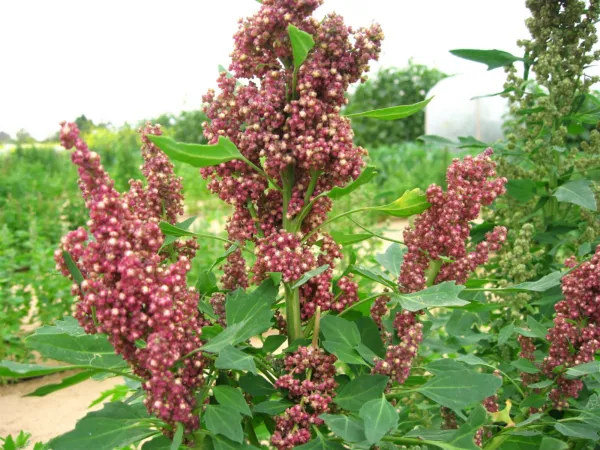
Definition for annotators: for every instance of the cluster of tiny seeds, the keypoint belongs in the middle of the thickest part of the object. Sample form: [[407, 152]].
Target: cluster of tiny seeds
[[527, 352], [575, 336], [217, 301], [310, 380], [128, 291]]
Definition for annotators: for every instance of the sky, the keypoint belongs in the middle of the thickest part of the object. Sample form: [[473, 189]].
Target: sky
[[126, 60]]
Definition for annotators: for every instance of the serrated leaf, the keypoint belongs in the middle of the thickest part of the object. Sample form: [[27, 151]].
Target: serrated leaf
[[232, 398], [365, 177], [184, 225], [539, 330], [584, 369], [392, 259], [349, 428], [411, 203], [577, 430], [349, 238], [471, 142], [541, 285], [64, 383], [320, 443], [578, 192], [541, 384], [207, 283], [222, 443], [115, 425], [380, 417], [337, 329], [491, 58], [549, 443], [256, 385], [224, 421], [310, 274], [272, 407], [11, 369], [360, 390], [198, 155], [344, 353], [72, 267], [437, 140], [371, 274], [233, 358], [458, 389], [443, 294], [505, 333], [522, 190], [393, 112], [524, 365], [273, 342], [302, 44], [369, 336]]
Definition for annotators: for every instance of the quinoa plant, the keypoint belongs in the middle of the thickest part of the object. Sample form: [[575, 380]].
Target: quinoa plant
[[285, 350]]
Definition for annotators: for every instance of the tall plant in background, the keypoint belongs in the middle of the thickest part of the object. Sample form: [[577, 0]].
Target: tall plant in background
[[392, 86]]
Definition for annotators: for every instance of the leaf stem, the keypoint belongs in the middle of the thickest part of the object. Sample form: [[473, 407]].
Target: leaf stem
[[365, 300], [262, 172], [380, 236], [339, 216]]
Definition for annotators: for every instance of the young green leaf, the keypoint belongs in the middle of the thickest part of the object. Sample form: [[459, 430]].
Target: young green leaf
[[492, 58], [393, 112], [577, 430], [344, 353], [584, 369], [177, 437], [272, 407], [443, 294], [232, 398], [310, 274], [505, 333], [224, 421], [256, 385], [349, 428], [72, 267], [184, 225], [463, 437], [524, 365], [411, 203], [392, 259], [349, 238], [198, 155], [360, 390], [12, 369], [320, 443], [372, 275], [541, 285], [365, 177], [436, 140], [234, 359], [64, 383], [302, 44], [522, 190], [273, 342], [380, 417], [578, 192], [337, 329]]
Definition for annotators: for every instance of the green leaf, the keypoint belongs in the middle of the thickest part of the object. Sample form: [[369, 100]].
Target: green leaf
[[521, 190], [366, 176], [411, 203], [505, 333], [372, 275], [462, 439], [247, 314], [184, 225], [234, 359], [272, 407], [541, 285], [256, 385], [232, 398], [337, 329], [65, 342], [207, 283], [349, 238], [320, 443], [360, 390], [549, 443], [505, 91], [177, 437], [471, 142], [224, 421], [392, 259], [492, 58], [198, 155], [222, 443], [160, 442], [344, 352], [117, 425], [370, 337], [174, 231], [460, 388], [275, 277], [380, 417], [302, 44], [11, 369], [351, 429], [584, 369], [577, 430], [64, 383], [443, 294], [541, 384], [436, 140], [393, 112], [524, 365], [273, 342], [308, 275], [72, 267], [578, 192], [539, 330]]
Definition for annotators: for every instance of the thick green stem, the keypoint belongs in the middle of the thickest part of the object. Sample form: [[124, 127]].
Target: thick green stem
[[432, 271], [292, 305]]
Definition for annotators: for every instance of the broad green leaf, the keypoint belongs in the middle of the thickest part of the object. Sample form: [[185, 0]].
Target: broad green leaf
[[578, 192], [577, 430], [256, 385], [72, 267], [320, 443], [505, 333], [64, 383], [539, 330], [11, 369], [273, 342], [337, 329], [392, 259], [310, 274], [272, 407], [360, 390], [491, 58], [380, 417], [443, 294], [549, 443], [349, 428], [472, 360], [207, 283], [275, 277], [541, 384], [302, 43], [184, 225], [393, 112], [462, 439], [198, 155], [232, 398], [177, 437], [437, 140], [541, 285], [584, 369], [224, 421], [366, 176], [62, 342], [116, 425], [369, 336], [372, 275], [411, 203], [443, 365], [524, 365], [220, 442], [349, 238], [174, 231], [344, 352], [234, 359], [160, 442], [460, 388], [534, 401], [367, 354], [471, 142], [522, 190]]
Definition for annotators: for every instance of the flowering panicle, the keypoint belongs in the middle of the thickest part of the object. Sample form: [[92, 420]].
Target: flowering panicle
[[310, 379], [575, 336], [129, 291]]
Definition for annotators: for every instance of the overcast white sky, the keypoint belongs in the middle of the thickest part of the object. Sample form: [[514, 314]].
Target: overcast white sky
[[125, 60]]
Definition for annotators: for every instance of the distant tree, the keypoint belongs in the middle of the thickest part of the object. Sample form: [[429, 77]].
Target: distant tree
[[390, 87], [23, 137], [84, 124], [4, 137]]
